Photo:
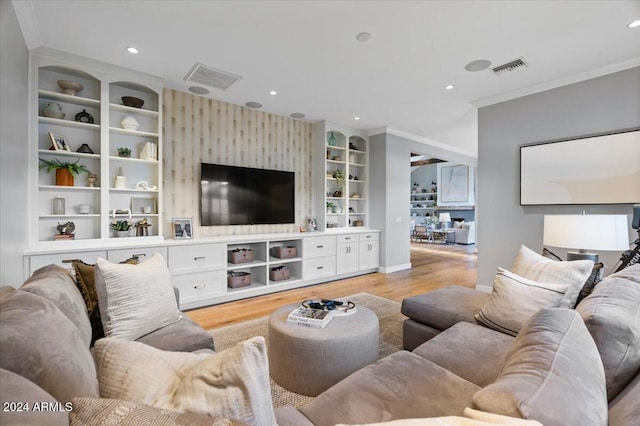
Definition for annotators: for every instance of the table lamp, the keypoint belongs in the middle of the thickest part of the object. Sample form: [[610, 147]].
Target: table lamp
[[586, 231], [444, 219]]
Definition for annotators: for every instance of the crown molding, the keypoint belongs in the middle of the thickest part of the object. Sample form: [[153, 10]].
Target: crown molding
[[420, 139], [554, 84]]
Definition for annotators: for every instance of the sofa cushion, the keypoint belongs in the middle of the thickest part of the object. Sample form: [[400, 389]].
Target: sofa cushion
[[233, 383], [183, 335], [41, 344], [55, 284], [590, 283], [445, 307], [471, 418], [25, 394], [402, 385], [135, 299], [470, 343], [553, 374], [625, 408], [612, 315], [535, 267], [103, 411], [515, 299]]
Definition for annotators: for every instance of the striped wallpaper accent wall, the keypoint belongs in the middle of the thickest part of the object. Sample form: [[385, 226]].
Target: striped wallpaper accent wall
[[198, 129]]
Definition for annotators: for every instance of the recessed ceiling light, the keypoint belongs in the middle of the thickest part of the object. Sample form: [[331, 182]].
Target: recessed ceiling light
[[449, 87], [634, 24], [273, 93], [199, 90], [477, 65], [363, 37], [253, 104], [132, 49], [297, 115], [356, 118]]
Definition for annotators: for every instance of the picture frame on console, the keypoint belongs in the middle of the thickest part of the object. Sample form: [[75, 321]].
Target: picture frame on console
[[182, 228]]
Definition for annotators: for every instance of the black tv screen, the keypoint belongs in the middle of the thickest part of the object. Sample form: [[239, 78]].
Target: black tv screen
[[233, 195]]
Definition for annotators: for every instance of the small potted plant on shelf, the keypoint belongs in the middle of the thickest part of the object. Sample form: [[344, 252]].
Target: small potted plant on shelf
[[124, 152], [65, 172], [330, 207], [339, 177], [121, 227]]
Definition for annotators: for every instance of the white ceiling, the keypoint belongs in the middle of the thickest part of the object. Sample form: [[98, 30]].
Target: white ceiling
[[307, 51]]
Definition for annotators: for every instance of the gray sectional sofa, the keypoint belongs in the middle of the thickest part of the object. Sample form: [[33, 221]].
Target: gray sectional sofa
[[564, 367], [45, 356]]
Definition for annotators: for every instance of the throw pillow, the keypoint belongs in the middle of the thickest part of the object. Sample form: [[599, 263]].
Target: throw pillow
[[589, 284], [515, 299], [85, 280], [531, 265], [135, 300], [113, 412], [233, 383], [552, 374]]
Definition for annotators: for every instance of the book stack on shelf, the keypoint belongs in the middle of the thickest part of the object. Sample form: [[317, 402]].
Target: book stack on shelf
[[308, 317]]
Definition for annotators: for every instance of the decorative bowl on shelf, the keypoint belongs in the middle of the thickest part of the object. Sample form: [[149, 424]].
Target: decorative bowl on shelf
[[53, 114], [70, 87], [130, 101], [130, 123]]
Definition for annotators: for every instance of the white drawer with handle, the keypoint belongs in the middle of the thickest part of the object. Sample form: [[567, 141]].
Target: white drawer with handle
[[319, 246], [197, 258], [200, 286], [370, 236], [318, 267]]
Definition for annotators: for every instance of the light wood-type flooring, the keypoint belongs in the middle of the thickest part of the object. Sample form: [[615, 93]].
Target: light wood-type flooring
[[433, 266]]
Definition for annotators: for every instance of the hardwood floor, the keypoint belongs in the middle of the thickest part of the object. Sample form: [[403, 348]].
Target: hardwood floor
[[433, 266]]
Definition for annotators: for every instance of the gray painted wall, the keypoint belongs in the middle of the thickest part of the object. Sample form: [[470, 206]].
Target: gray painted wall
[[602, 104], [390, 186], [13, 146]]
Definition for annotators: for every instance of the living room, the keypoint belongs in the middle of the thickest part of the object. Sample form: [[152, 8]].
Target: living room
[[583, 101]]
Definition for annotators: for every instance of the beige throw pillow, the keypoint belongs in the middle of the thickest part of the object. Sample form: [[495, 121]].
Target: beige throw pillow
[[515, 299], [233, 383], [137, 299], [535, 267]]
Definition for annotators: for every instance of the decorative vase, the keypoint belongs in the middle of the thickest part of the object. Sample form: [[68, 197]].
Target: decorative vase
[[122, 234], [332, 140], [64, 177]]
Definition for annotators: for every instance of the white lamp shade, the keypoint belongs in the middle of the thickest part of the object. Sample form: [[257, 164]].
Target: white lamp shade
[[444, 217], [581, 231]]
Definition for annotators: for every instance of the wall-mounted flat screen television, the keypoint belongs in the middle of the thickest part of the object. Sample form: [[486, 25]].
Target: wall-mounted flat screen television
[[233, 195], [591, 170]]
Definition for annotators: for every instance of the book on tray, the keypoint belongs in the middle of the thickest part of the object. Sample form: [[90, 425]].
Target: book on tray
[[308, 317]]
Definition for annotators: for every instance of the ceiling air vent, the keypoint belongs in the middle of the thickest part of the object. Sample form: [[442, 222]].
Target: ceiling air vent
[[211, 77], [510, 66]]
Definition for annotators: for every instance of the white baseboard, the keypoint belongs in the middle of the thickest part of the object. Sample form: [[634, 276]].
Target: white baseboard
[[484, 288], [395, 268]]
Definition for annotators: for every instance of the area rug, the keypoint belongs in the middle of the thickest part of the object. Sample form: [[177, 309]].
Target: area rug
[[388, 312]]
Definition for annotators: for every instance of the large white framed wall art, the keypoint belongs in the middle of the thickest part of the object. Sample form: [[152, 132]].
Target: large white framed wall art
[[601, 169]]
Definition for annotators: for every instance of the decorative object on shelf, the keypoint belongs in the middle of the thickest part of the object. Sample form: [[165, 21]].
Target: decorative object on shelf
[[84, 208], [142, 228], [332, 140], [237, 279], [356, 178], [339, 177], [70, 87], [65, 172], [240, 255], [144, 185], [84, 117], [312, 224], [149, 151], [124, 152], [121, 180], [182, 228], [66, 228], [85, 149], [59, 144], [122, 227], [130, 101], [53, 110], [332, 224], [355, 195], [143, 205], [358, 222], [129, 123], [352, 158], [330, 207], [336, 158], [353, 147], [57, 205], [279, 273], [92, 180]]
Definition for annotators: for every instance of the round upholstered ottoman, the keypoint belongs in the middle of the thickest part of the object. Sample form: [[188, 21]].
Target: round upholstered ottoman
[[310, 360]]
